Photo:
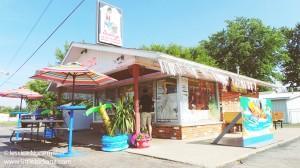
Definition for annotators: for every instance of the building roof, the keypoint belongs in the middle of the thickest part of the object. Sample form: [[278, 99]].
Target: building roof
[[279, 96], [171, 65]]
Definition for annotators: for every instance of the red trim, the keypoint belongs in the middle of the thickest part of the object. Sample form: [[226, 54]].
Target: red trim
[[135, 74]]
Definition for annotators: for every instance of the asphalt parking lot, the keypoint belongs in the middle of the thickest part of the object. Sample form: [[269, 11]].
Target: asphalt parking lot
[[12, 156], [283, 156]]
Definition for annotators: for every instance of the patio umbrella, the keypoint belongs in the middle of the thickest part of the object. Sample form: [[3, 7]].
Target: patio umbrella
[[71, 74], [21, 93]]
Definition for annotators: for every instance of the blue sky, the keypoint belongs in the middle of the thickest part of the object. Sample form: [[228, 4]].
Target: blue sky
[[145, 22]]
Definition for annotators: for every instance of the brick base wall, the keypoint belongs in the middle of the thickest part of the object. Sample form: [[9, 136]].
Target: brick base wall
[[201, 131], [185, 132], [166, 132], [174, 132]]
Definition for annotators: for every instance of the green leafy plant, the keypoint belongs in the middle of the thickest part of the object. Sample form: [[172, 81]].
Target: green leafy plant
[[46, 113], [123, 120], [59, 114]]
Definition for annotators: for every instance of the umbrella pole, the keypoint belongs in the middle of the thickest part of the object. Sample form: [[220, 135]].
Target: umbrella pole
[[19, 119], [73, 89], [71, 122], [20, 108]]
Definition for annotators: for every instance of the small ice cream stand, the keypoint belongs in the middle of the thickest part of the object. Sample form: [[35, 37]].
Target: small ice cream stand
[[190, 99]]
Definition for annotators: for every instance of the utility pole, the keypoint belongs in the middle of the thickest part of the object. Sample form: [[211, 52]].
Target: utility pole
[[238, 69]]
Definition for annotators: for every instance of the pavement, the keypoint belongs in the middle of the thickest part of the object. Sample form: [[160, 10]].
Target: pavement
[[204, 154], [282, 156], [162, 153], [31, 155]]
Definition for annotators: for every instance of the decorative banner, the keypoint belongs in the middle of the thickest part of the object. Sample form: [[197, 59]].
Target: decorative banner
[[257, 121], [109, 24]]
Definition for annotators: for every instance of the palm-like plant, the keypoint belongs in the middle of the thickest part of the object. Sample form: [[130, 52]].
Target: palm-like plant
[[123, 121]]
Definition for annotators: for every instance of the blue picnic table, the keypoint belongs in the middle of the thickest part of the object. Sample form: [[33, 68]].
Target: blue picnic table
[[18, 113]]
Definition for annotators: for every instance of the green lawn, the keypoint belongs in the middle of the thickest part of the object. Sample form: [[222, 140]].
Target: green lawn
[[291, 125], [7, 123]]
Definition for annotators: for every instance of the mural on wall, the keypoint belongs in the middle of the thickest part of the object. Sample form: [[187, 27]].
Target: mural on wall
[[166, 101], [103, 62], [89, 62], [257, 121]]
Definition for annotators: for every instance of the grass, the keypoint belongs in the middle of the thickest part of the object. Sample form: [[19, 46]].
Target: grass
[[7, 123], [291, 125]]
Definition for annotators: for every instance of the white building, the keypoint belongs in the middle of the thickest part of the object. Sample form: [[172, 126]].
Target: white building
[[288, 103]]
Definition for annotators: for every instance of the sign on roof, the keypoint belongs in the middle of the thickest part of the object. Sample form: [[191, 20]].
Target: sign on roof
[[109, 24]]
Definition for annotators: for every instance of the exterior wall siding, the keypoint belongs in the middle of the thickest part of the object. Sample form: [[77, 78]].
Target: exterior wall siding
[[281, 106], [293, 110]]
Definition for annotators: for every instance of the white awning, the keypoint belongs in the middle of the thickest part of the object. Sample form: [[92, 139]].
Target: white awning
[[181, 67]]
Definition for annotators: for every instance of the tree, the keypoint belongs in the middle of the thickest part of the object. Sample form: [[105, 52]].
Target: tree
[[257, 49], [197, 54], [61, 54], [49, 99], [5, 109], [291, 67]]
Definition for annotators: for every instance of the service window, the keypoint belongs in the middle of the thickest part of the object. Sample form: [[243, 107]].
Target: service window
[[202, 96]]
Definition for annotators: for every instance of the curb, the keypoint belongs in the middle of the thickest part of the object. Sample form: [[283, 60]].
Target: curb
[[229, 163], [280, 143]]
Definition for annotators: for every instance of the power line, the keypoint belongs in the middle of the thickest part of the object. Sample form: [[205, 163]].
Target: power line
[[52, 33], [29, 34]]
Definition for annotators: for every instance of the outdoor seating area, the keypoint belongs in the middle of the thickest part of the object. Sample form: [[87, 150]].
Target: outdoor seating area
[[36, 129]]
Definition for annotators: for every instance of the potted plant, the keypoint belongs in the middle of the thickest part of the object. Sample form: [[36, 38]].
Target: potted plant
[[119, 126], [140, 140]]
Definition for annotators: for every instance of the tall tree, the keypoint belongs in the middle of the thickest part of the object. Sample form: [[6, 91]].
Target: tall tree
[[49, 98], [246, 42], [60, 54], [292, 66], [197, 54]]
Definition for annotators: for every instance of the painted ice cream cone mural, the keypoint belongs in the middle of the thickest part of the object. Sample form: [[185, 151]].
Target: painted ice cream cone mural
[[257, 121], [256, 111]]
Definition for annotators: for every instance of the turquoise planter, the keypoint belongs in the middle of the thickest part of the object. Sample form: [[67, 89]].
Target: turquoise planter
[[115, 143]]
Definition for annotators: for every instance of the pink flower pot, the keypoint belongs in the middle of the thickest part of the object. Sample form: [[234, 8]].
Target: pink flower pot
[[142, 144]]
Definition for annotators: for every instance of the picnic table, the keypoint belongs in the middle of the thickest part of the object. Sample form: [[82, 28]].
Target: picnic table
[[18, 113], [47, 122]]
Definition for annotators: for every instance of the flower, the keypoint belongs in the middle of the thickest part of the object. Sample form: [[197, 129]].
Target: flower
[[139, 137]]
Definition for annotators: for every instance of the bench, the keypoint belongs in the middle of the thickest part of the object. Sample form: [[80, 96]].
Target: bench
[[21, 131], [53, 135], [277, 118], [229, 116]]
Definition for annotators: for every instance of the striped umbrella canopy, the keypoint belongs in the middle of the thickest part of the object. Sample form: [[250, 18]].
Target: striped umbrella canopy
[[22, 93], [71, 74]]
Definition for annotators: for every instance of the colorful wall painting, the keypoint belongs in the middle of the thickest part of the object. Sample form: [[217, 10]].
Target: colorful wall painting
[[257, 121]]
